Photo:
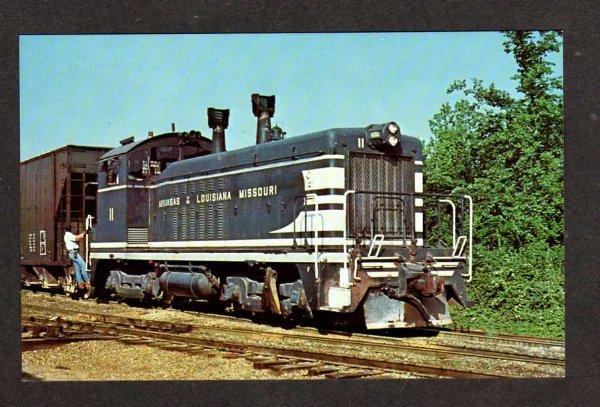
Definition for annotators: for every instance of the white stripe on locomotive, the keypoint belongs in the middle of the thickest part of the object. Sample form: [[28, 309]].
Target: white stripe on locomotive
[[324, 178], [221, 174], [186, 244]]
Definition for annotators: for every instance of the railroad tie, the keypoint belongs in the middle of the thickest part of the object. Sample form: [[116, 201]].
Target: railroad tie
[[258, 358], [138, 341], [212, 353], [322, 370], [352, 374], [296, 366], [176, 347], [232, 355], [194, 350], [266, 364]]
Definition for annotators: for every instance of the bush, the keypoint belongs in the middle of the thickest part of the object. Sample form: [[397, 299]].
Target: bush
[[505, 149], [516, 291]]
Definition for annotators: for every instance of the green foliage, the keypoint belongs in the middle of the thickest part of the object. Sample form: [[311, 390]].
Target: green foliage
[[507, 153], [520, 291]]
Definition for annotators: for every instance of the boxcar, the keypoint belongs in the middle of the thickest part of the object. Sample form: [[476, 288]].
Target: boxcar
[[58, 188]]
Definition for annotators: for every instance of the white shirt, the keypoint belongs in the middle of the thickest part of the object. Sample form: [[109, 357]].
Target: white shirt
[[70, 241]]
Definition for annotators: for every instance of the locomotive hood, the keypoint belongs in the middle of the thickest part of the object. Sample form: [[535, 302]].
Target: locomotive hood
[[335, 141]]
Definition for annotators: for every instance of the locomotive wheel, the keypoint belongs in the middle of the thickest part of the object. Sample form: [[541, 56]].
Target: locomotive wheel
[[101, 298], [288, 322], [166, 301], [146, 301]]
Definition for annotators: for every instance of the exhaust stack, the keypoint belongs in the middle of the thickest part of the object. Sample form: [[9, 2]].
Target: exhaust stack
[[218, 120], [263, 107]]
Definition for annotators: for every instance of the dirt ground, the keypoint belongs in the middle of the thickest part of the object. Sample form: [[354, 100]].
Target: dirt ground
[[113, 360]]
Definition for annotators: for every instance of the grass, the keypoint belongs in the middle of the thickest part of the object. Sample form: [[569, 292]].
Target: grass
[[541, 323]]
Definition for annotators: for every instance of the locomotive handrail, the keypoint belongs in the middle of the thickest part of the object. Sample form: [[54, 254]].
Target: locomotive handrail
[[294, 217], [88, 226], [453, 220], [344, 235], [469, 274], [376, 238], [295, 214], [460, 246], [316, 231]]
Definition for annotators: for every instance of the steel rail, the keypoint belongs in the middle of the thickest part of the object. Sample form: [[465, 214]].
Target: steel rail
[[422, 349], [363, 339], [500, 338], [122, 332], [141, 323], [31, 344], [477, 336]]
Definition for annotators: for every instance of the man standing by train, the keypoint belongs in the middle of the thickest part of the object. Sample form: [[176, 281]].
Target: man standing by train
[[81, 275]]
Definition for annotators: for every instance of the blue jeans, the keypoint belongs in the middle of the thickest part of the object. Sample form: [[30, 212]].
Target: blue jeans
[[81, 274]]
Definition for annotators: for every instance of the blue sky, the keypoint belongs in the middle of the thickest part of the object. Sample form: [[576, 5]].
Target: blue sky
[[99, 89]]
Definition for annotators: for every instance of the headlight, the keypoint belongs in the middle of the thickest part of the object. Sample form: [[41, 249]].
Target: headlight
[[384, 137], [391, 131]]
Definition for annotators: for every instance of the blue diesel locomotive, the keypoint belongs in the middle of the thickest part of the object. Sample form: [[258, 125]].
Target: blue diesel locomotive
[[330, 222]]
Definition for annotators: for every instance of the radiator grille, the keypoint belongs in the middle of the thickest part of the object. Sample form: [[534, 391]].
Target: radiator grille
[[220, 221], [201, 224], [192, 235], [193, 221], [137, 235], [210, 222], [184, 224], [376, 213], [175, 223]]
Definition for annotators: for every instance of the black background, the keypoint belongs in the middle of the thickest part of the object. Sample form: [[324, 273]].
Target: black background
[[579, 22]]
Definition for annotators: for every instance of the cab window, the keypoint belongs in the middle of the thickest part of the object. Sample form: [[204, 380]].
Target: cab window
[[162, 156], [138, 165], [111, 168]]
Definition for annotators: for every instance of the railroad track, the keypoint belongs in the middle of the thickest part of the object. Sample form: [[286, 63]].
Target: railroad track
[[472, 339], [509, 348], [262, 356], [523, 339], [524, 348], [362, 341], [280, 354]]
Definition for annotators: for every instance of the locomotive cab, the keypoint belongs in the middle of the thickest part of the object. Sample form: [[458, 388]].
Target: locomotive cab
[[124, 179]]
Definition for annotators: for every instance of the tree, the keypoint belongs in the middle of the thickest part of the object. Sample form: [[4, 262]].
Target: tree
[[507, 152]]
